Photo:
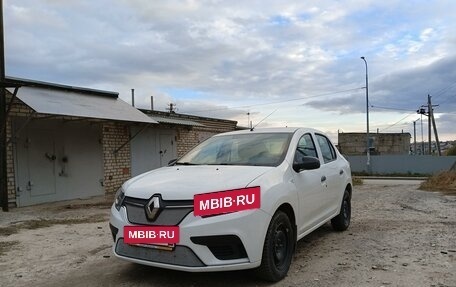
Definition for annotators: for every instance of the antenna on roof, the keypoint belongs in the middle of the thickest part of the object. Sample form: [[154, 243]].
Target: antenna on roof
[[263, 120], [171, 108]]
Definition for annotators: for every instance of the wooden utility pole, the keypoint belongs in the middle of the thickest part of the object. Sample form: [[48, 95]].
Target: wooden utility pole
[[429, 125], [431, 116], [414, 137]]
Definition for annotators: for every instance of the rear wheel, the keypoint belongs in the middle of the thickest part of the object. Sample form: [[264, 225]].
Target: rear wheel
[[342, 221], [278, 248]]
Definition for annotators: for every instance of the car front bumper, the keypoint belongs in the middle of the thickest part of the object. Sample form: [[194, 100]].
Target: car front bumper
[[249, 226]]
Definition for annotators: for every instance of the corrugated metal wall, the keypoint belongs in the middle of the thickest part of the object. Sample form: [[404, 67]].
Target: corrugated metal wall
[[404, 164]]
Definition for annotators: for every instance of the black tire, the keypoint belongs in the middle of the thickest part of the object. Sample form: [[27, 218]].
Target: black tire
[[342, 221], [279, 245]]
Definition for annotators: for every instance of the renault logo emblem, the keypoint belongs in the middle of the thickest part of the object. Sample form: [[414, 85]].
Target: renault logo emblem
[[153, 207]]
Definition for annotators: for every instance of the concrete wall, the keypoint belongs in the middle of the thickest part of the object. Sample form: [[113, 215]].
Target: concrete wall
[[380, 143], [388, 164]]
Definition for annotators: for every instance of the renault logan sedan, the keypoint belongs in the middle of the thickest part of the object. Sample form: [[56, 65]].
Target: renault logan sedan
[[239, 200]]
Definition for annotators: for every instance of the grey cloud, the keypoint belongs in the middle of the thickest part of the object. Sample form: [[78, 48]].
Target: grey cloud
[[446, 126], [355, 103], [409, 89], [406, 90], [233, 52]]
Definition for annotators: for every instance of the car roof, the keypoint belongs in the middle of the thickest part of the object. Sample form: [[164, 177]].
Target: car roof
[[268, 130]]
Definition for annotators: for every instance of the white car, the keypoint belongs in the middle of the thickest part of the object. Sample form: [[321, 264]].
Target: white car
[[301, 180]]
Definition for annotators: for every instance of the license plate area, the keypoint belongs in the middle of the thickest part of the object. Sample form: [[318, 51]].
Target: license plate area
[[164, 247]]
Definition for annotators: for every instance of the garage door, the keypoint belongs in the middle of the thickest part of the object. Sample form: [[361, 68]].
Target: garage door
[[151, 149], [57, 160]]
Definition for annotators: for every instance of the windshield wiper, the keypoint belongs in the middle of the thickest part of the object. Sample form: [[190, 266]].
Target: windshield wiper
[[186, 163], [223, 163]]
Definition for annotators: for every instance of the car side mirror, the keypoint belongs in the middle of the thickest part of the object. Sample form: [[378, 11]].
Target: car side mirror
[[172, 162], [306, 163]]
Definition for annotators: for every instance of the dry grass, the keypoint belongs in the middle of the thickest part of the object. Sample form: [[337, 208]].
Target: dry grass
[[357, 181], [444, 182]]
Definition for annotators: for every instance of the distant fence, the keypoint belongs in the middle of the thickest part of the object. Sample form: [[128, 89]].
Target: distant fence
[[388, 164]]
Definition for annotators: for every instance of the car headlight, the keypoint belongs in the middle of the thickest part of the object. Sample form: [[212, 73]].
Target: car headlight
[[120, 195]]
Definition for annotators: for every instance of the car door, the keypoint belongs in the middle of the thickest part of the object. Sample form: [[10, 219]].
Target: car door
[[331, 168], [310, 188]]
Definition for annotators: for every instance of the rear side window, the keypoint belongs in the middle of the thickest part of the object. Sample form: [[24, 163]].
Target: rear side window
[[306, 147], [327, 149]]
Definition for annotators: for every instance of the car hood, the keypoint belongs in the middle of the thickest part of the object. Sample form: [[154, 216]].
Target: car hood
[[182, 182]]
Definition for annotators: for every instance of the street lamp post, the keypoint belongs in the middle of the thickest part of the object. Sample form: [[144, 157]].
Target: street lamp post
[[367, 120], [414, 136]]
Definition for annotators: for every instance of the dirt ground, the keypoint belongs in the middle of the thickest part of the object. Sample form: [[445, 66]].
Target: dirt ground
[[400, 236]]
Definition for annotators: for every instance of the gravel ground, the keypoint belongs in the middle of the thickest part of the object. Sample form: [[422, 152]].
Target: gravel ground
[[399, 236]]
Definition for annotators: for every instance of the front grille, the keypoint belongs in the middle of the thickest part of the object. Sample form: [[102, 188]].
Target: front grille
[[181, 255], [172, 212], [223, 247]]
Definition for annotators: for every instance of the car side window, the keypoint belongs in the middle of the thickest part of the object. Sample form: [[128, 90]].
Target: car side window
[[327, 149], [306, 147]]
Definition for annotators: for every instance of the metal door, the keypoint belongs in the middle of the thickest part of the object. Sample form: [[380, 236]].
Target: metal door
[[79, 164], [57, 160], [144, 151], [167, 149], [36, 168]]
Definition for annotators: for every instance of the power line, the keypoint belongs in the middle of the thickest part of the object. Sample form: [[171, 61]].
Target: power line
[[390, 108], [397, 122], [445, 100], [444, 90], [280, 102]]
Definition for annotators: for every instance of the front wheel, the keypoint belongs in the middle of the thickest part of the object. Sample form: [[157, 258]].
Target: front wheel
[[342, 220], [278, 248]]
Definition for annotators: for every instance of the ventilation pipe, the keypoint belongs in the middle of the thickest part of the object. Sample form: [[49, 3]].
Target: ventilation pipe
[[133, 97], [151, 103]]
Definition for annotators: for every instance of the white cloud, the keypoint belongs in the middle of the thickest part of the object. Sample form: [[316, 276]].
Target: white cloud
[[231, 54]]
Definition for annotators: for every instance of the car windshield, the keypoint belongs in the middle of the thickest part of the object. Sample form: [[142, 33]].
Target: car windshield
[[263, 149]]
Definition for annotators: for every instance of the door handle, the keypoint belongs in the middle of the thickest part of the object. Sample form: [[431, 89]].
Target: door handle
[[323, 178], [341, 172]]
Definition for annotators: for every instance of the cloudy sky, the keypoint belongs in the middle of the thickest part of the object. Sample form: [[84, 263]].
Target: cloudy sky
[[299, 60]]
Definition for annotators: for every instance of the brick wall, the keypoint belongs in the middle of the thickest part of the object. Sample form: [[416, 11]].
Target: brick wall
[[18, 109], [11, 183], [117, 165], [187, 138]]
